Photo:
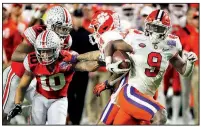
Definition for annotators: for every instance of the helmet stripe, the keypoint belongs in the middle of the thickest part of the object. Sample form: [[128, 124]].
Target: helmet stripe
[[66, 15], [160, 14], [44, 38], [157, 14]]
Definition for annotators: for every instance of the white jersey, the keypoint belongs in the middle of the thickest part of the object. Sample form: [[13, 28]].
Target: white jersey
[[106, 38], [149, 63]]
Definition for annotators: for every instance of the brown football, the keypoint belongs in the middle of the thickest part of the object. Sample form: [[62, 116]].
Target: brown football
[[120, 55]]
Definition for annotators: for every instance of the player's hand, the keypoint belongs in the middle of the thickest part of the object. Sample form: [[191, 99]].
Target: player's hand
[[99, 88], [114, 67], [15, 111], [68, 57], [191, 57]]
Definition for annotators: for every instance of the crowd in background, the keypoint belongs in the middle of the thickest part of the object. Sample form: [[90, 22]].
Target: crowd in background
[[179, 95]]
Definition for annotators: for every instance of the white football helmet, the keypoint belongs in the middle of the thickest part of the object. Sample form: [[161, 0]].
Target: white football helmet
[[59, 20], [47, 47]]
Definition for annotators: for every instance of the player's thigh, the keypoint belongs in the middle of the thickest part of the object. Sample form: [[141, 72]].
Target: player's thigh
[[123, 118], [10, 82], [39, 111], [31, 91], [109, 113], [57, 112], [141, 106]]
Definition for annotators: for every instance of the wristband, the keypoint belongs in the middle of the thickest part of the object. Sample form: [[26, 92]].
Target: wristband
[[74, 59]]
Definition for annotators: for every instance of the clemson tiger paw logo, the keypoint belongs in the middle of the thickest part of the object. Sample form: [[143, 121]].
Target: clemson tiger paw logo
[[103, 17]]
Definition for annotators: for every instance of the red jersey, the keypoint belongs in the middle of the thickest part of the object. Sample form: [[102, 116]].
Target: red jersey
[[11, 38], [192, 41], [52, 85], [30, 35]]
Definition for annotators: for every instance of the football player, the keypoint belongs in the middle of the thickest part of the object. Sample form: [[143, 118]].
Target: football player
[[53, 73], [106, 25], [153, 50]]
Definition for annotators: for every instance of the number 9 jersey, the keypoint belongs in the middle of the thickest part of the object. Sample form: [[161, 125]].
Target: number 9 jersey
[[150, 61], [52, 85]]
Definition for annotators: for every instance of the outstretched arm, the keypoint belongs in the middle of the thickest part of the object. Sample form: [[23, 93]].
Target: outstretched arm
[[93, 55], [86, 66]]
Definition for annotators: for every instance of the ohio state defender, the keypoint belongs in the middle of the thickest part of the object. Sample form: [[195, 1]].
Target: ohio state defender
[[53, 73]]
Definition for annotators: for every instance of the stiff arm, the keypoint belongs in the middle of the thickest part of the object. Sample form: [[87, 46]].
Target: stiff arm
[[89, 56]]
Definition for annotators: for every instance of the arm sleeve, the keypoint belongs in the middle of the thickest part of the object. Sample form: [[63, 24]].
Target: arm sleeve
[[110, 36], [178, 44], [26, 64], [30, 35]]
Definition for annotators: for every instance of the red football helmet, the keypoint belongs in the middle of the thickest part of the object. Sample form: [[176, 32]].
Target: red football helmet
[[157, 25], [101, 22]]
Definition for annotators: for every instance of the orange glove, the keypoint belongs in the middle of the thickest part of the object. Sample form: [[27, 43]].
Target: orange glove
[[101, 87], [68, 57]]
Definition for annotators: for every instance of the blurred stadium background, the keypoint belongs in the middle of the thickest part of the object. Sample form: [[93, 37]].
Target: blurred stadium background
[[178, 95]]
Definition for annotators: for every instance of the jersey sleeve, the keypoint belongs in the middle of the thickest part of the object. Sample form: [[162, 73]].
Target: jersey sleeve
[[131, 35], [178, 44], [111, 36], [26, 64], [174, 46], [129, 38], [30, 35]]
